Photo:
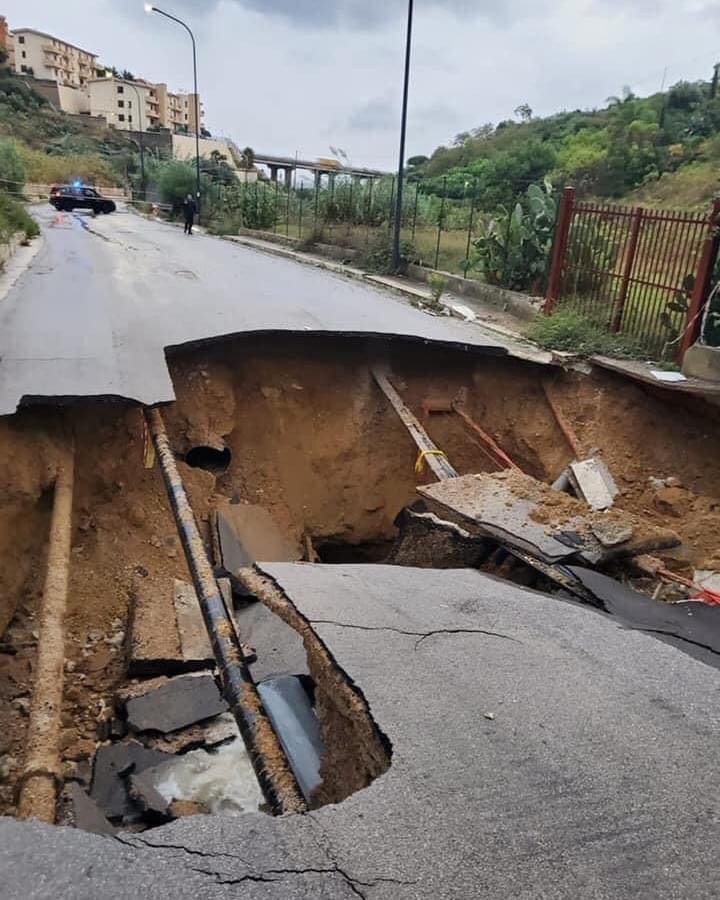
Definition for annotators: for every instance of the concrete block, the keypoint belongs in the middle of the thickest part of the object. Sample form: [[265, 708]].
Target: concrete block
[[702, 361]]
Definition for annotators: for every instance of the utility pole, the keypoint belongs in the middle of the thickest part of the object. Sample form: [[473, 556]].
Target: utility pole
[[403, 128]]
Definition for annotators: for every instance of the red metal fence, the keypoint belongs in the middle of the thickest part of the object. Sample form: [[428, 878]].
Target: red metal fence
[[640, 272]]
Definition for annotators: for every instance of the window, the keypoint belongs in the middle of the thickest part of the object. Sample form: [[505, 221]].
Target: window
[[121, 103], [24, 54], [21, 39], [120, 89], [23, 68], [129, 118], [121, 117], [129, 103]]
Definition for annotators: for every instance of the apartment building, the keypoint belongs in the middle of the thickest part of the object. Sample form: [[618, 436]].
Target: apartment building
[[43, 56], [137, 105], [71, 78]]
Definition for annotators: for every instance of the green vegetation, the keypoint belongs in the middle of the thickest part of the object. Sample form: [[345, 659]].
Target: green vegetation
[[573, 332], [515, 245], [437, 284], [605, 153], [14, 217]]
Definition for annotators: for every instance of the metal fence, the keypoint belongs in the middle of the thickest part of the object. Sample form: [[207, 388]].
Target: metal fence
[[640, 272], [354, 213]]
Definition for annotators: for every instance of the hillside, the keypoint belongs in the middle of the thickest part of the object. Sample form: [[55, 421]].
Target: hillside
[[39, 143], [663, 149]]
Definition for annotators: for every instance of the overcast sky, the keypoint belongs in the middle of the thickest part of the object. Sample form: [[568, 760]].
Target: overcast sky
[[302, 75]]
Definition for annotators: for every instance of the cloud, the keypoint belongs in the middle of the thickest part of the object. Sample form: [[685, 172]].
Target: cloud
[[375, 115]]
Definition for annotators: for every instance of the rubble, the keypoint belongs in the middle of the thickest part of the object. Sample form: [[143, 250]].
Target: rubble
[[592, 482], [182, 701], [112, 763]]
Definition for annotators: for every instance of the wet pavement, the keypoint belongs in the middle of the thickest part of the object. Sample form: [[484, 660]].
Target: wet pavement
[[539, 749], [105, 296]]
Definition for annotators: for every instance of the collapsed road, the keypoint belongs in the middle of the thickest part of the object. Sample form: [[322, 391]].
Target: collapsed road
[[343, 574]]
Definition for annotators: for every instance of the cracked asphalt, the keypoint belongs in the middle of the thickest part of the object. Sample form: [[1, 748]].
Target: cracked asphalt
[[104, 297], [595, 777]]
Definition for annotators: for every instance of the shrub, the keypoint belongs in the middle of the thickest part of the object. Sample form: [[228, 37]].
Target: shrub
[[176, 180], [12, 170], [14, 217], [572, 332], [379, 255], [45, 168], [436, 283]]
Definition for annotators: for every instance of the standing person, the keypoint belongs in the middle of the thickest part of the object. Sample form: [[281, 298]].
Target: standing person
[[189, 210]]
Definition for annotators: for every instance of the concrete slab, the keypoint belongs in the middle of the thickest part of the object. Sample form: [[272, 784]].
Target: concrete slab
[[194, 641], [596, 777], [98, 306], [183, 701], [153, 645]]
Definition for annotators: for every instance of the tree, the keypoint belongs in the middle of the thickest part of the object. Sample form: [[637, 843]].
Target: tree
[[127, 75], [176, 179], [524, 111], [248, 158]]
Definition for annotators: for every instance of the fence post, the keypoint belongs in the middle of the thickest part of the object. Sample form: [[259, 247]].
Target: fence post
[[392, 203], [705, 267], [417, 191], [466, 266], [300, 213], [288, 188], [315, 212], [562, 230], [637, 216], [440, 222]]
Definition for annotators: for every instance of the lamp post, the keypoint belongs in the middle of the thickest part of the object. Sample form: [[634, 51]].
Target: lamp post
[[141, 146], [149, 8], [403, 127]]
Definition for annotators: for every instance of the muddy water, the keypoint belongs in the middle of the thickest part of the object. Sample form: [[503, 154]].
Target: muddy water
[[312, 440]]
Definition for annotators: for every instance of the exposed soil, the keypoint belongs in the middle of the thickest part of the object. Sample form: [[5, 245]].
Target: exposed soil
[[313, 440]]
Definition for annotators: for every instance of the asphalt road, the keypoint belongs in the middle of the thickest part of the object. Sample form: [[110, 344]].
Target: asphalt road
[[105, 296], [539, 749]]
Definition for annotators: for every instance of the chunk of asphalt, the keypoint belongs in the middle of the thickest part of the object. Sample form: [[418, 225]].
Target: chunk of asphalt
[[112, 762], [182, 701], [152, 803], [691, 626], [297, 727], [86, 814]]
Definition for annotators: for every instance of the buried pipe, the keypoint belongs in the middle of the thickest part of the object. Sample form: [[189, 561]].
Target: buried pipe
[[239, 689], [41, 775]]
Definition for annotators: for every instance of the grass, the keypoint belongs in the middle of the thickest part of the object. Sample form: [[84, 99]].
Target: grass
[[14, 217], [453, 244], [572, 332]]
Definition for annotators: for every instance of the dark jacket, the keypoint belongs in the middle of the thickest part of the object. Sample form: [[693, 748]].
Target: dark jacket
[[189, 210]]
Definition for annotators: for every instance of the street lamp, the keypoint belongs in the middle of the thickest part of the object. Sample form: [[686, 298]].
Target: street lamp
[[403, 128], [149, 8], [141, 146]]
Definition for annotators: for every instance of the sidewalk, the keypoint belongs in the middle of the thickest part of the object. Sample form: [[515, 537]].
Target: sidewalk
[[467, 309]]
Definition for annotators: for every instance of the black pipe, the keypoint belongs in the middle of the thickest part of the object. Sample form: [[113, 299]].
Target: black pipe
[[238, 687]]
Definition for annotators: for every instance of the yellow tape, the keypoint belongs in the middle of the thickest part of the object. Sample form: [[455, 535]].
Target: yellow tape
[[419, 462]]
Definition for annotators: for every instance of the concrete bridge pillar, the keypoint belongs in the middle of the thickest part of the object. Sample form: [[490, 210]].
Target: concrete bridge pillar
[[288, 176], [273, 173], [318, 179]]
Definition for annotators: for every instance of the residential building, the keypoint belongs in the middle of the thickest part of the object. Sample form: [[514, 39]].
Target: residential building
[[43, 56], [71, 78], [124, 104]]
